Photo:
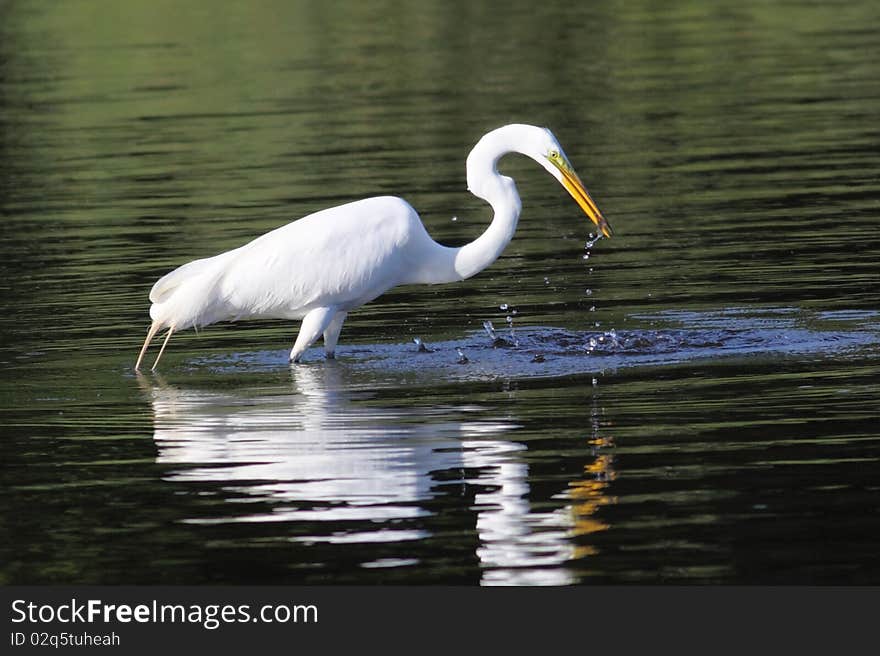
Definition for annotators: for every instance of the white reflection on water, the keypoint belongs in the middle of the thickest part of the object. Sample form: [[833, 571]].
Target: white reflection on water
[[513, 540], [320, 453]]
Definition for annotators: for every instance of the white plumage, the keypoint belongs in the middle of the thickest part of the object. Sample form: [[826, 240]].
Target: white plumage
[[328, 263]]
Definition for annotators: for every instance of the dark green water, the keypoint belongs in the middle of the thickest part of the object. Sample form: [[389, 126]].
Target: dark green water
[[722, 426]]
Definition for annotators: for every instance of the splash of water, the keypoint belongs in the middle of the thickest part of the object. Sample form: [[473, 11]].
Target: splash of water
[[423, 348], [612, 335], [513, 339], [497, 341]]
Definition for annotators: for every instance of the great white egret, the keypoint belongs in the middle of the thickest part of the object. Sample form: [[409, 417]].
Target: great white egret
[[326, 264]]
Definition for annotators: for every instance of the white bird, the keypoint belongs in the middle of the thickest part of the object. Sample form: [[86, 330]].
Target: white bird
[[326, 264]]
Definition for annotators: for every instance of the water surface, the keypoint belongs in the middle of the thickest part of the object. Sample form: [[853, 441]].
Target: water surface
[[695, 402]]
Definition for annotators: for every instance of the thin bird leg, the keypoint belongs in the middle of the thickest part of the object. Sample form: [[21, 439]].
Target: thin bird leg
[[313, 324], [331, 334], [150, 334], [162, 350]]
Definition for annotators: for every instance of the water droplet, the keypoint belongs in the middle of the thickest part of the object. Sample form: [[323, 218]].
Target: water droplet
[[503, 307], [585, 256], [591, 240], [588, 292], [592, 308], [490, 330], [538, 358], [509, 319], [590, 270], [593, 342], [546, 281], [595, 382], [462, 358], [455, 218], [513, 312]]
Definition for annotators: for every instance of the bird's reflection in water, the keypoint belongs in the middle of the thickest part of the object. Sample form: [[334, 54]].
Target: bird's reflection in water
[[520, 546], [320, 452]]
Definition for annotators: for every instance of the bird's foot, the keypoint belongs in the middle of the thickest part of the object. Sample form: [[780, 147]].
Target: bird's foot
[[330, 355]]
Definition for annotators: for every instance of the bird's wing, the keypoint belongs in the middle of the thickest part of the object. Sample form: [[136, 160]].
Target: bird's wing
[[342, 256]]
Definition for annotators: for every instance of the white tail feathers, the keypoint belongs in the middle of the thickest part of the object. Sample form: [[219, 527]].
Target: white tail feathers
[[179, 301], [166, 285], [187, 296]]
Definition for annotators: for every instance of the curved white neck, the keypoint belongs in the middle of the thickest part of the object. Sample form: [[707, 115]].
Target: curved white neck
[[484, 181], [500, 192]]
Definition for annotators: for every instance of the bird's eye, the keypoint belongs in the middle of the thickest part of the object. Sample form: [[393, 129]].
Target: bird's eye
[[554, 154]]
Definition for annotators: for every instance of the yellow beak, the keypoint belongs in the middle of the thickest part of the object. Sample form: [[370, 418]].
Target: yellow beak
[[575, 187]]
